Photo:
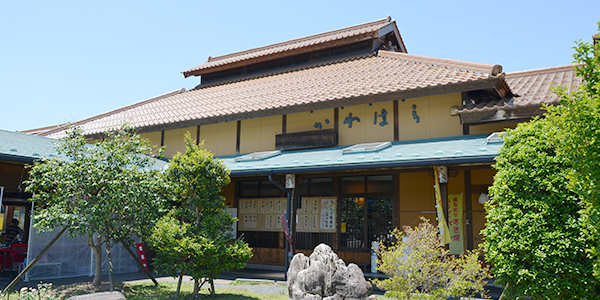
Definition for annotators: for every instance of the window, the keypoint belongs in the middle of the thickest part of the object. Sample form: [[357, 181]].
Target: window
[[315, 187], [259, 188], [309, 240], [366, 210]]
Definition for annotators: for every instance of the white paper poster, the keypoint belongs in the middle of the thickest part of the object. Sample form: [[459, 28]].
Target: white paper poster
[[328, 214]]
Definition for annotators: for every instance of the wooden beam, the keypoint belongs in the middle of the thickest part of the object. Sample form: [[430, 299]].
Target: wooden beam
[[502, 88], [238, 137], [336, 123], [396, 121], [468, 210], [283, 124], [198, 135]]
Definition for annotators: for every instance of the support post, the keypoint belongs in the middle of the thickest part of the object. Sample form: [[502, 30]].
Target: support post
[[137, 260], [288, 215], [469, 210]]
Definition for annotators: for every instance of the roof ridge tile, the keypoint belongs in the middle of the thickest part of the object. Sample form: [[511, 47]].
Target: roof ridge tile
[[319, 38], [554, 69], [445, 62], [322, 34]]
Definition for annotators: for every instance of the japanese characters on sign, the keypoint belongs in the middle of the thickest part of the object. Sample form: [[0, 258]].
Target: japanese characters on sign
[[316, 214], [261, 214], [328, 214], [455, 224]]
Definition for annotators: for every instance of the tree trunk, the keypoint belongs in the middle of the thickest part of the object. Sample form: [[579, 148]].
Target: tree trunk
[[212, 287], [197, 216], [179, 285], [196, 289], [111, 277], [98, 257]]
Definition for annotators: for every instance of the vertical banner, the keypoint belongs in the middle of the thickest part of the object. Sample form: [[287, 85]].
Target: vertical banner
[[444, 233], [455, 221]]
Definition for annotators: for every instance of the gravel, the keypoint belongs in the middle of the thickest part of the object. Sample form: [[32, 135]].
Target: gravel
[[257, 286]]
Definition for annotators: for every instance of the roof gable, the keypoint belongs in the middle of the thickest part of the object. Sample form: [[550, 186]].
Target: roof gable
[[347, 35], [531, 90]]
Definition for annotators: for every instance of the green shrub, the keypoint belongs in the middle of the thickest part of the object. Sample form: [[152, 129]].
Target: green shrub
[[417, 264], [535, 236]]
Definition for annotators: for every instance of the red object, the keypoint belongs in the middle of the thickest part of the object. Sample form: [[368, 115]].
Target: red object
[[16, 253], [286, 231], [142, 255]]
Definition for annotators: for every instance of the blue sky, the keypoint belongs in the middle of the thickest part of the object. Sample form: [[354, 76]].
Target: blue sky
[[63, 61]]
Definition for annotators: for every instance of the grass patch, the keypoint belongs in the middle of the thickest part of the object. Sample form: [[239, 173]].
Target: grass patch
[[165, 290], [257, 282]]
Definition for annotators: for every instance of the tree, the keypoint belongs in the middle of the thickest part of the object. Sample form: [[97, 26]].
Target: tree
[[107, 191], [578, 117], [416, 263], [535, 237], [196, 237]]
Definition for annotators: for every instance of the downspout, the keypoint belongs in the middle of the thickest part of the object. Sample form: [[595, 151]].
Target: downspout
[[288, 217]]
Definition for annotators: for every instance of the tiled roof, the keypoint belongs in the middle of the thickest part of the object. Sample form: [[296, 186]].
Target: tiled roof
[[367, 29], [397, 75], [21, 147], [42, 130], [26, 148], [430, 152], [531, 89]]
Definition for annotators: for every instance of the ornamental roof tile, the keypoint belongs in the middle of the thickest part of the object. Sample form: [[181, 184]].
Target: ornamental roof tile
[[531, 89]]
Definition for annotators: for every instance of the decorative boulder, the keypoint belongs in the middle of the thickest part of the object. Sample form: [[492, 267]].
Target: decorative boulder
[[325, 276]]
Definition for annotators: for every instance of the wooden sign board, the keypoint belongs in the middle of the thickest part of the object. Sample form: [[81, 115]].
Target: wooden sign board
[[306, 139]]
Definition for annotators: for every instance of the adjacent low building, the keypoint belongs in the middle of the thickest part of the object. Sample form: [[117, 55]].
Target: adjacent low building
[[353, 126]]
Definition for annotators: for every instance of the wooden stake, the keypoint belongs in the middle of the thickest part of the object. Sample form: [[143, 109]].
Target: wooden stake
[[33, 262]]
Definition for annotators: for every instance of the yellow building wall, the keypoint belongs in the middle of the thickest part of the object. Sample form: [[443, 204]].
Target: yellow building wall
[[259, 134], [310, 120], [442, 123], [456, 184], [372, 122], [221, 138], [493, 127], [379, 122], [413, 118], [153, 137], [432, 114], [417, 198], [174, 140], [483, 177], [352, 125]]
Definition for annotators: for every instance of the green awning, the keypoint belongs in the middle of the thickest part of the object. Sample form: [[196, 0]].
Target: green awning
[[429, 152]]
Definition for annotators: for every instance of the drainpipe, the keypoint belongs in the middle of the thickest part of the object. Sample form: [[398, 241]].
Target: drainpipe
[[288, 217]]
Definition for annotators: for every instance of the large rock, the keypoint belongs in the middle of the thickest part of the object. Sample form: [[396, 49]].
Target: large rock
[[324, 276]]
